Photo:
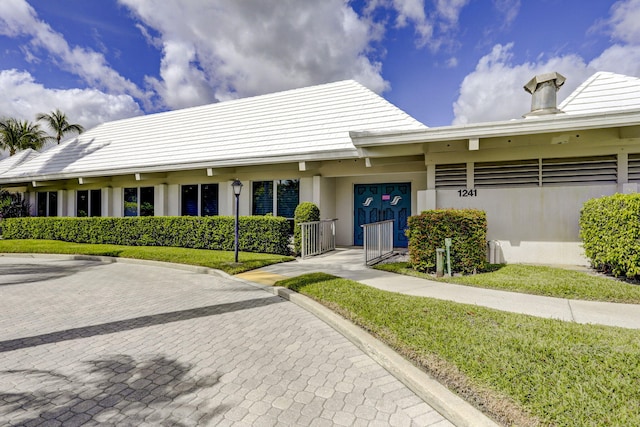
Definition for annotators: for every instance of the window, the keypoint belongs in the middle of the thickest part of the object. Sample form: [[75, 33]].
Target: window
[[262, 197], [138, 201], [282, 203], [89, 203], [288, 197], [47, 203], [199, 200]]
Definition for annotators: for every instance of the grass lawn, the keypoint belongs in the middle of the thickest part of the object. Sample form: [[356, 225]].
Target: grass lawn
[[519, 369], [221, 260], [538, 280]]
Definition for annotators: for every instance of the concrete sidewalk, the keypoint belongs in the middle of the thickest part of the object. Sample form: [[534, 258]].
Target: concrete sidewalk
[[349, 264]]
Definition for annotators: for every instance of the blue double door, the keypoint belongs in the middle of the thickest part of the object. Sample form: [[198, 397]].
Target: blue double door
[[380, 202]]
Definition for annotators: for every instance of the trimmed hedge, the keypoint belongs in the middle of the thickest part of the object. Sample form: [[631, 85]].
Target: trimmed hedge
[[466, 227], [610, 232], [264, 234], [305, 212]]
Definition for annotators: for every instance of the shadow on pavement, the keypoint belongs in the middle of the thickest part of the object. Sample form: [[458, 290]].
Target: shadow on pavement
[[135, 323], [117, 390], [17, 274]]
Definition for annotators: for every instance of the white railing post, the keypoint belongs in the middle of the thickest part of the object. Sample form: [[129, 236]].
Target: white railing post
[[317, 237], [378, 241]]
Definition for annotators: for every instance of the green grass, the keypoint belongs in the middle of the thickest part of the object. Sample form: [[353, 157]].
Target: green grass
[[538, 280], [221, 260], [519, 369]]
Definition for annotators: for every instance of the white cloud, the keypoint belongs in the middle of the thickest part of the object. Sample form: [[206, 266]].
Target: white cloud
[[23, 98], [229, 49], [624, 19], [18, 18], [509, 9], [493, 91]]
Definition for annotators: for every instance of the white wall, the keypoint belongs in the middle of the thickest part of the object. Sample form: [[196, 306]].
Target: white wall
[[534, 225]]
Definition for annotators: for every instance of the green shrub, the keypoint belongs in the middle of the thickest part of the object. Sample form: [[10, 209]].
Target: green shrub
[[610, 233], [305, 212], [265, 234], [466, 227], [12, 205]]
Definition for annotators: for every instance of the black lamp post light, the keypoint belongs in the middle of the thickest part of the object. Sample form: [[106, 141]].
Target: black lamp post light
[[237, 188]]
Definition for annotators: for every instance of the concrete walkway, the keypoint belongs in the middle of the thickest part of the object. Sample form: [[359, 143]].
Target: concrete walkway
[[348, 263]]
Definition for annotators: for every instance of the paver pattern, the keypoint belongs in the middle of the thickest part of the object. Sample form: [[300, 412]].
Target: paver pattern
[[91, 343]]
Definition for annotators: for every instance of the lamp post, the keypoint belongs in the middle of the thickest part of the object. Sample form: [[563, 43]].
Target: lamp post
[[237, 188]]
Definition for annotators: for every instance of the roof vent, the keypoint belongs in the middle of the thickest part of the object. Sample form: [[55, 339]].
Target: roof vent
[[543, 88]]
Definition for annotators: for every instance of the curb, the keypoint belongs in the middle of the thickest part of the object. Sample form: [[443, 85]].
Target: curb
[[448, 404]]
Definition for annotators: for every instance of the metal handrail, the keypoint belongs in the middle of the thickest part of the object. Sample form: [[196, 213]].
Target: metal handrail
[[378, 241], [317, 237]]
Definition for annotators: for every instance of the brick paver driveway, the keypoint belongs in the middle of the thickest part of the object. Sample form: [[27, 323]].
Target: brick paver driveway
[[90, 343]]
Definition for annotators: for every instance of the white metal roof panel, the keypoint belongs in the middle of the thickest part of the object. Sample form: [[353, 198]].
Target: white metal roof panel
[[311, 122], [17, 159], [604, 92]]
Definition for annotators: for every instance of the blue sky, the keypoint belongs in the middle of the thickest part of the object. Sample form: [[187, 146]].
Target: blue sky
[[443, 62]]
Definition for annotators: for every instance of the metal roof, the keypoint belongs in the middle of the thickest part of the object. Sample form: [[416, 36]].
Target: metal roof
[[311, 123], [605, 100], [604, 92], [17, 159]]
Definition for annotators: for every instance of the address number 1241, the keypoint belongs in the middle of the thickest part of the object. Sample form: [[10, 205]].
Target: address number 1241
[[468, 193]]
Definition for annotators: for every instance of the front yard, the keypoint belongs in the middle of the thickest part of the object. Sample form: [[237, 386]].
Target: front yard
[[519, 369]]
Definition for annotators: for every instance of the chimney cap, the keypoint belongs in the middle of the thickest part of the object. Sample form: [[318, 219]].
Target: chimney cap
[[533, 84]]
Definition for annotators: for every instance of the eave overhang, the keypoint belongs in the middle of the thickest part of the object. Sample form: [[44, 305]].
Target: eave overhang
[[528, 126]]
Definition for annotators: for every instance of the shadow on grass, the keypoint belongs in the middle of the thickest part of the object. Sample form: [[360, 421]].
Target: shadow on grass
[[300, 282]]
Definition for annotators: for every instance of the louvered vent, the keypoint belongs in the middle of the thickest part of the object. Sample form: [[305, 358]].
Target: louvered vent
[[580, 170], [634, 167], [449, 176], [521, 173]]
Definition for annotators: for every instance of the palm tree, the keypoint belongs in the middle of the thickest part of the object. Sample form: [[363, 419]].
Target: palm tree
[[17, 135], [58, 123]]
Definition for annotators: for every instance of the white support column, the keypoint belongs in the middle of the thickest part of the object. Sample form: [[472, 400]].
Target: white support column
[[117, 200], [62, 206], [623, 168], [32, 197], [160, 200], [317, 191], [71, 203], [426, 200], [173, 200], [431, 177], [106, 202]]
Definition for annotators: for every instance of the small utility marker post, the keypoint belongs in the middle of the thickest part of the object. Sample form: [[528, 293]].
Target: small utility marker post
[[447, 244]]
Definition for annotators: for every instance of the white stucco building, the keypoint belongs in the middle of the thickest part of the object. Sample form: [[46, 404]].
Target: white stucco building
[[359, 158]]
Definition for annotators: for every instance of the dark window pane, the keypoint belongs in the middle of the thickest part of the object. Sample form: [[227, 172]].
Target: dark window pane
[[53, 203], [146, 201], [288, 197], [262, 197], [96, 203], [82, 203], [42, 203], [130, 202], [209, 199], [189, 200]]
